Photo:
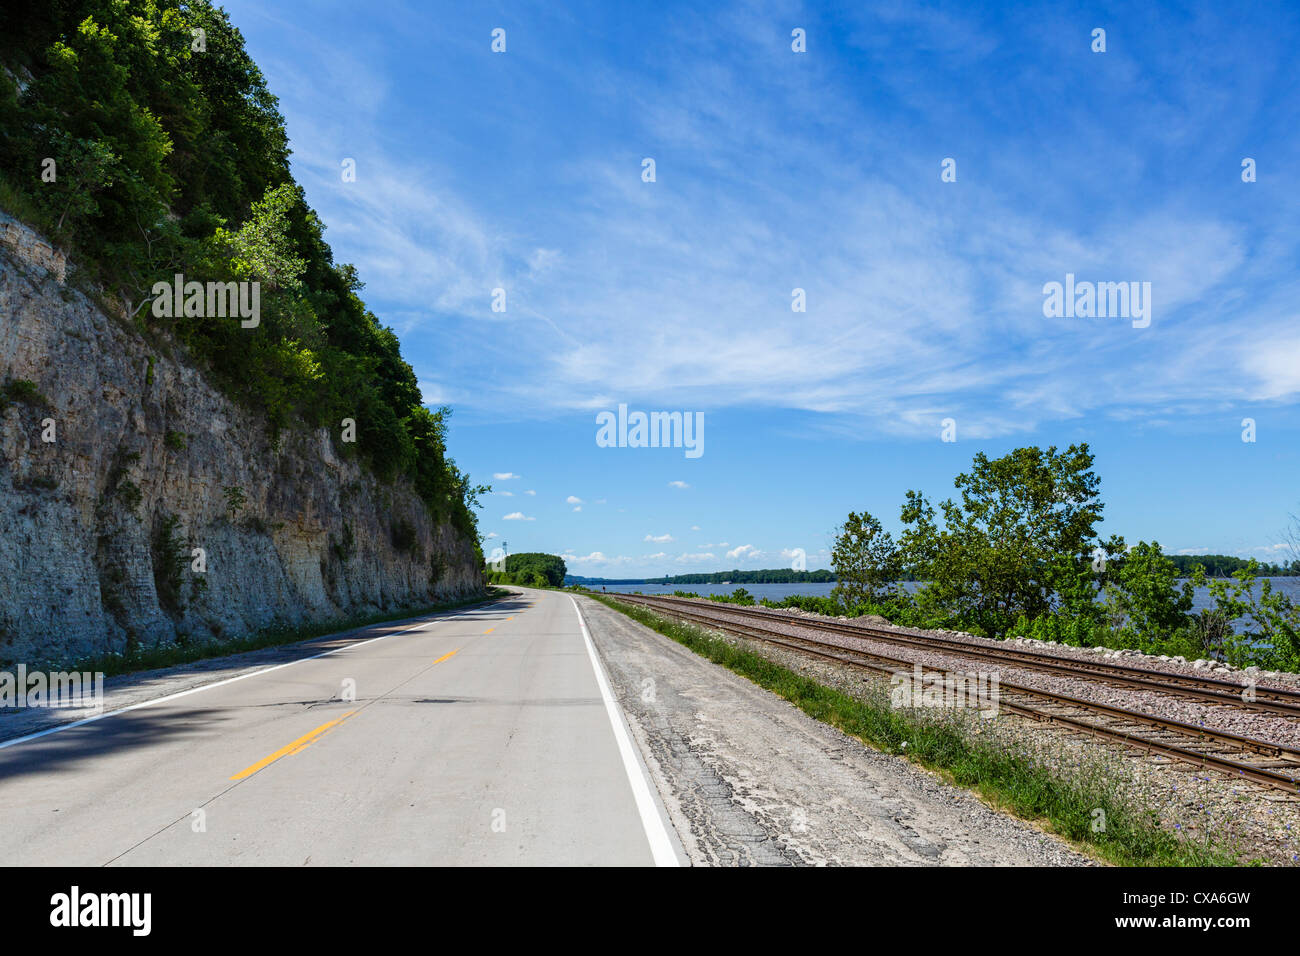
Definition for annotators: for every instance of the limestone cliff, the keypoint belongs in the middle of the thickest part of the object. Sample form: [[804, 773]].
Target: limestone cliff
[[148, 462]]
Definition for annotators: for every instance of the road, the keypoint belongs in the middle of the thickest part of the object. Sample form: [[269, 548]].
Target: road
[[540, 730], [481, 736]]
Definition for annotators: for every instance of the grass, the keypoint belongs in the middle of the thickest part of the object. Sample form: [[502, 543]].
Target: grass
[[186, 652], [1005, 779]]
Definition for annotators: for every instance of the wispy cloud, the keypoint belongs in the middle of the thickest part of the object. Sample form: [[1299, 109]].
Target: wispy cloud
[[778, 172]]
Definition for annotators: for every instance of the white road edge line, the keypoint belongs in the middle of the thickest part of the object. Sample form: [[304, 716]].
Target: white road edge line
[[661, 845], [221, 683]]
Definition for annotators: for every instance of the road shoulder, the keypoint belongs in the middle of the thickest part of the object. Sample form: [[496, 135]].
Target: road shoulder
[[749, 779]]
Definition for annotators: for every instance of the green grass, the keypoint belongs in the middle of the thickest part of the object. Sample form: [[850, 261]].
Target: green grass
[[186, 652], [1007, 780]]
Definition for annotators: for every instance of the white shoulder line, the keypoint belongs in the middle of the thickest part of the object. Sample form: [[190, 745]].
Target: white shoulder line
[[661, 845], [195, 690]]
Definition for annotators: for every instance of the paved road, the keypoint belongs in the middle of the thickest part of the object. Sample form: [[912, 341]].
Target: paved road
[[477, 737], [513, 733]]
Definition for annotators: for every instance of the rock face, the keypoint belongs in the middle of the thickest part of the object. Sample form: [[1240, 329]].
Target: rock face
[[148, 462]]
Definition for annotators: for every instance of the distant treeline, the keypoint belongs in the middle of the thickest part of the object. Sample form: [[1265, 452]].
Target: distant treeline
[[1222, 565], [1216, 566], [762, 576]]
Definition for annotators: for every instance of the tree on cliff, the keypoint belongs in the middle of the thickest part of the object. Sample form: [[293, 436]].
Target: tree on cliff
[[169, 155]]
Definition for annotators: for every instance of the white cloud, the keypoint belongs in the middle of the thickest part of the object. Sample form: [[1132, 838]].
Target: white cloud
[[530, 492], [696, 558], [506, 494], [518, 516], [431, 393], [595, 557], [1275, 364], [573, 500], [678, 484], [744, 552], [490, 535], [915, 304], [577, 507], [659, 538], [695, 527], [504, 475]]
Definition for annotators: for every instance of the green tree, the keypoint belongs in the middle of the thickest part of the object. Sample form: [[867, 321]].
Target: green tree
[[533, 569], [1022, 530], [865, 560], [83, 167], [1272, 636], [175, 160], [1144, 595], [263, 248]]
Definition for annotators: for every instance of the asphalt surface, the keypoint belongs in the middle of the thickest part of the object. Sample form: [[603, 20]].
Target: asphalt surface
[[544, 729], [480, 736]]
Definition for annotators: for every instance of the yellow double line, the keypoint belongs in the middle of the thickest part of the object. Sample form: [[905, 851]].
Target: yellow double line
[[307, 739], [292, 748]]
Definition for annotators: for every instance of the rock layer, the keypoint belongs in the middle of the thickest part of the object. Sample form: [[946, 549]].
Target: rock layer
[[149, 462]]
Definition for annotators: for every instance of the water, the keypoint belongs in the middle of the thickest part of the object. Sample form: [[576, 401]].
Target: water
[[1201, 597]]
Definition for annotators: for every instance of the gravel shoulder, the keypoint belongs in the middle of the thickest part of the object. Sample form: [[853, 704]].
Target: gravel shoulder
[[749, 779], [1258, 822]]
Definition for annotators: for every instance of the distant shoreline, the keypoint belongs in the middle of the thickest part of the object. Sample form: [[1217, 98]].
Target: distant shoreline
[[1216, 565]]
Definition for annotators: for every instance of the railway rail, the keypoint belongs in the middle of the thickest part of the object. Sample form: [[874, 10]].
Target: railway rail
[[1247, 758], [1206, 689]]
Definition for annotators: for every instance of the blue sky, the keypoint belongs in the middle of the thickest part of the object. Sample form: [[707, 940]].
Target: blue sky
[[820, 170]]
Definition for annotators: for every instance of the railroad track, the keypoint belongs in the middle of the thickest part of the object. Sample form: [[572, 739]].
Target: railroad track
[[1244, 757], [1207, 689]]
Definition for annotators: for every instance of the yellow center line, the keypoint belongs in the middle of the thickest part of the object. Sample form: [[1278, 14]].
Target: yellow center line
[[489, 630], [297, 745], [445, 656]]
